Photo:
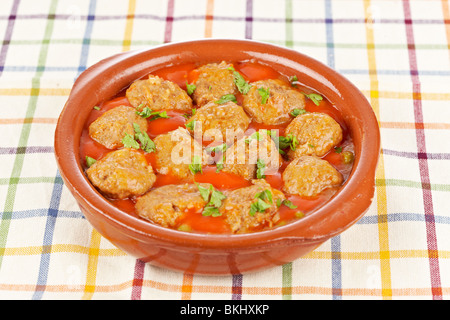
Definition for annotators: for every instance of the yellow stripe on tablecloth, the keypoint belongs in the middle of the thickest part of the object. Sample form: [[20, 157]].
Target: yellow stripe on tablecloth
[[30, 92], [60, 248], [129, 25], [446, 16], [91, 274], [383, 233]]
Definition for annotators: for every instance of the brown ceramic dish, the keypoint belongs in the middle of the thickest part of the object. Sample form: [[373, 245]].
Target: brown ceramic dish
[[220, 253]]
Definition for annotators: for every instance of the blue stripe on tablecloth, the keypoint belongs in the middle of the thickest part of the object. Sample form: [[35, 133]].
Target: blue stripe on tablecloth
[[87, 36], [336, 266], [52, 214], [8, 34]]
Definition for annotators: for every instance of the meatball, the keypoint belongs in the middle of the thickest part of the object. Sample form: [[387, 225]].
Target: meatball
[[121, 174], [316, 134], [164, 205], [252, 207], [158, 94], [217, 119], [251, 155], [281, 100], [176, 151], [307, 176], [214, 81], [111, 127]]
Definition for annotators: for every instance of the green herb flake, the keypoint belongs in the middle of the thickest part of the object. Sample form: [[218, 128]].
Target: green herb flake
[[289, 204], [297, 112], [242, 85], [338, 149], [90, 161], [314, 97], [219, 148], [261, 167], [214, 199], [264, 93], [290, 141], [265, 195], [190, 88], [146, 143], [258, 206], [151, 115], [211, 211], [226, 98], [196, 165], [190, 125], [129, 142], [97, 108]]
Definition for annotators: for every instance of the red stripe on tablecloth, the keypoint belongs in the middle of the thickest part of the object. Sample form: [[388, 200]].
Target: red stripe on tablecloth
[[138, 279], [169, 21], [423, 162]]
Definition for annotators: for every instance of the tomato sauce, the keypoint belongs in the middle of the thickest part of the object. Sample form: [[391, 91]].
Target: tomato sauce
[[222, 181]]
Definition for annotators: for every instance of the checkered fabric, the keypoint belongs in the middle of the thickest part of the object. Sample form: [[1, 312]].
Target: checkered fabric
[[396, 52]]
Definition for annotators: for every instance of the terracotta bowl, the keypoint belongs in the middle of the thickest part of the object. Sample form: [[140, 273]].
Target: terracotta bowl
[[218, 254]]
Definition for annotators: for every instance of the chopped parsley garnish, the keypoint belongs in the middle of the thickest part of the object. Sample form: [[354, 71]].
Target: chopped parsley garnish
[[97, 108], [242, 85], [214, 199], [264, 93], [260, 205], [190, 88], [140, 140], [258, 135], [220, 148], [151, 115], [145, 142], [297, 112], [265, 195], [90, 161], [289, 204], [314, 97], [261, 167], [338, 149], [290, 141], [129, 142], [226, 98], [196, 165], [190, 125], [219, 165]]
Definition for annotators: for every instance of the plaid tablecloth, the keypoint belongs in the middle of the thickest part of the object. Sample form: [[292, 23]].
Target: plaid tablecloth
[[396, 52]]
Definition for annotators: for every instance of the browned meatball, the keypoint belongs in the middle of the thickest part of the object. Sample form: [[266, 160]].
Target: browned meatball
[[243, 208], [214, 81], [175, 152], [216, 119], [307, 176], [158, 94], [121, 174], [282, 99], [250, 152], [166, 204], [316, 134], [110, 128]]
